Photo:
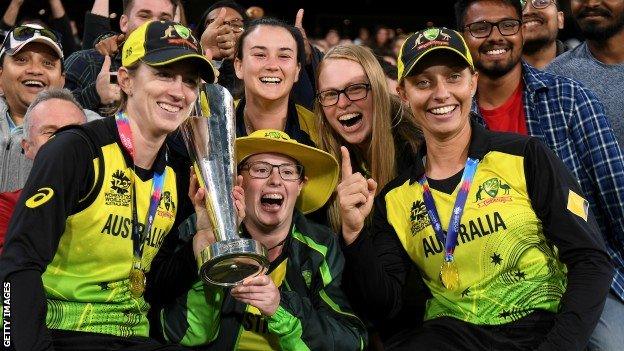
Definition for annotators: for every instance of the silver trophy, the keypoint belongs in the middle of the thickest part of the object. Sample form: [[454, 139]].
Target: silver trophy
[[211, 145]]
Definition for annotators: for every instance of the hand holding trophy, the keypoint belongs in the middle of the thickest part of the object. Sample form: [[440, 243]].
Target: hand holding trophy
[[210, 141]]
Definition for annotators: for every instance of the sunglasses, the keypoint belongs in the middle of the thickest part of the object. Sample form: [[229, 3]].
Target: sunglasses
[[22, 33]]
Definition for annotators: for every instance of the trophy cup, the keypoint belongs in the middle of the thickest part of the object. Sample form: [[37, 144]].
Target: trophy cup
[[210, 141]]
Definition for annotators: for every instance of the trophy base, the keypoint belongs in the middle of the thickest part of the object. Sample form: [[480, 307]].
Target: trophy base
[[227, 263]]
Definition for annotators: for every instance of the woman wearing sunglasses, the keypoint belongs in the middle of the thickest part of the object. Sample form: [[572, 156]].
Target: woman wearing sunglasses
[[98, 204]]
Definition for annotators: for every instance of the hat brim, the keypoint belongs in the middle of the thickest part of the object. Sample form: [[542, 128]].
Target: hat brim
[[37, 39], [320, 168], [175, 54], [411, 64]]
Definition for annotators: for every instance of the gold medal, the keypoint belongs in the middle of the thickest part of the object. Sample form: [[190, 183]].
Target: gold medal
[[137, 282], [449, 275]]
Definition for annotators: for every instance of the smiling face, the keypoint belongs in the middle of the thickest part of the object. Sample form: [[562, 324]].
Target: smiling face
[[439, 91], [159, 98], [269, 66], [495, 55], [598, 20], [352, 120], [540, 26], [45, 119], [270, 202], [34, 68], [142, 11]]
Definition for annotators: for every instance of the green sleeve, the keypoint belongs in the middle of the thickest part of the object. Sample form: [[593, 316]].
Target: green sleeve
[[195, 317], [324, 321]]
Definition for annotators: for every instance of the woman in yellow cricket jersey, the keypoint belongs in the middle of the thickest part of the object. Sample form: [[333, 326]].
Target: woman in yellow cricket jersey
[[490, 219], [98, 204]]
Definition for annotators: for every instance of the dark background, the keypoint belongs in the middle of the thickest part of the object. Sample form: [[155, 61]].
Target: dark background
[[320, 15]]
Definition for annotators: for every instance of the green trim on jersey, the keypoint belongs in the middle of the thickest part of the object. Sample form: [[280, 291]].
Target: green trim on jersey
[[312, 303], [507, 268]]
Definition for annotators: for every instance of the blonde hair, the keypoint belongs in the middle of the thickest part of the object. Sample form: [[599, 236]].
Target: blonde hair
[[380, 158]]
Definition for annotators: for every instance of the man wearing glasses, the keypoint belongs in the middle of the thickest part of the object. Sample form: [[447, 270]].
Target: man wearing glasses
[[31, 61], [599, 64], [542, 20], [513, 96]]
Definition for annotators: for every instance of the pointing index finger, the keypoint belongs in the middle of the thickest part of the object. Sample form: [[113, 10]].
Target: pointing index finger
[[346, 162]]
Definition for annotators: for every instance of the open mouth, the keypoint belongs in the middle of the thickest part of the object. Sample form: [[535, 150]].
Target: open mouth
[[350, 119], [441, 111], [168, 107], [496, 51], [270, 80], [272, 200], [31, 83], [532, 22]]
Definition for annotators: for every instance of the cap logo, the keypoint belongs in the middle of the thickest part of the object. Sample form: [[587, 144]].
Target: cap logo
[[182, 31], [275, 135], [168, 33], [434, 36]]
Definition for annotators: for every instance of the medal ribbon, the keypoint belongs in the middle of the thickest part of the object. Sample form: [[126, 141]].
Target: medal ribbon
[[125, 135], [450, 239]]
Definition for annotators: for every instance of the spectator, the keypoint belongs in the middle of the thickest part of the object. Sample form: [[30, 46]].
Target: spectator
[[282, 180], [49, 111], [541, 22], [58, 21], [398, 42], [363, 37], [88, 71], [31, 59], [381, 43], [269, 56], [357, 111], [222, 41], [599, 63]]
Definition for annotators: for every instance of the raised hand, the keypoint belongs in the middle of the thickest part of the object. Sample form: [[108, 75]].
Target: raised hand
[[306, 42], [260, 292], [107, 91], [111, 45], [355, 197], [209, 39]]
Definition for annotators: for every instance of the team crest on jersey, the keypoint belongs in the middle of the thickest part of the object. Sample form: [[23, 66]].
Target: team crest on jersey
[[120, 194], [491, 191], [419, 217], [166, 205]]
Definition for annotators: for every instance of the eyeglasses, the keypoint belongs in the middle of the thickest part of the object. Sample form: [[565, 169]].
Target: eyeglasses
[[262, 170], [353, 92], [538, 4], [236, 25], [483, 29]]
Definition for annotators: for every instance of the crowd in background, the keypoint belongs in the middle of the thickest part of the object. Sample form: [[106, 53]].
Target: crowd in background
[[496, 127]]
